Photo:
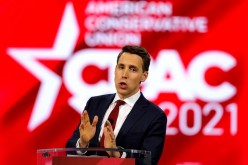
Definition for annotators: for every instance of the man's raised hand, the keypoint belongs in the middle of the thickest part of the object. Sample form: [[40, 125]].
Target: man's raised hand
[[86, 129]]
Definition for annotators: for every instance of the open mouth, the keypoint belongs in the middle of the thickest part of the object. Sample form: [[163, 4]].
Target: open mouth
[[123, 85]]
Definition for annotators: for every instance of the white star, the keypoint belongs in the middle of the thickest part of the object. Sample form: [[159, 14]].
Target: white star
[[50, 82]]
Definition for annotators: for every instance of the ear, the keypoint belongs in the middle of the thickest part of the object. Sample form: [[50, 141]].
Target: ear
[[144, 76]]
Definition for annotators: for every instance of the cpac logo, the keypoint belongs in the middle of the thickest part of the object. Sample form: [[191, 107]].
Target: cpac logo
[[187, 84]]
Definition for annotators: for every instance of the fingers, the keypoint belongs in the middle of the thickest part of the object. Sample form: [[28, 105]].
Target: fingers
[[109, 140], [85, 120], [108, 124], [85, 117], [109, 130], [95, 120]]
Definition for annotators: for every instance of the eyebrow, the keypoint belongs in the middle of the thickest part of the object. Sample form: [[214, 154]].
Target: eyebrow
[[132, 66]]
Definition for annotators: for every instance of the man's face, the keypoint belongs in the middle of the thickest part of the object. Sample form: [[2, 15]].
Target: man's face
[[129, 74]]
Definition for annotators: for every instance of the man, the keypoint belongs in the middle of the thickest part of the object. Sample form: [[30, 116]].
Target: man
[[140, 124]]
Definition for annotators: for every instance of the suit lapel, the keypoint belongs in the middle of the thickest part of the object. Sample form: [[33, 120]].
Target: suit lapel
[[136, 113], [104, 107]]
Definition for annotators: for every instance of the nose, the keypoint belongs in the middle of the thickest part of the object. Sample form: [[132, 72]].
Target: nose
[[124, 73]]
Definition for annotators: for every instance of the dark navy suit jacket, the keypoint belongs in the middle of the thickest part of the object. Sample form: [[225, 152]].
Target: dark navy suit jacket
[[143, 129]]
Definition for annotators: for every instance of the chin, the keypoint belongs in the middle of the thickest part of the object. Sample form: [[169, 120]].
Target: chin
[[122, 94]]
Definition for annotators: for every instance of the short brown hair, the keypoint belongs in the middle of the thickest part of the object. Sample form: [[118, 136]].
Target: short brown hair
[[140, 51]]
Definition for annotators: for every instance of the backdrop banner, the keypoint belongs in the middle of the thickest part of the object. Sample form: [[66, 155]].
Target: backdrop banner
[[55, 55]]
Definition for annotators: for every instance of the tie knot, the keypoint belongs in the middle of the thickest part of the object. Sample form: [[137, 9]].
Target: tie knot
[[119, 103]]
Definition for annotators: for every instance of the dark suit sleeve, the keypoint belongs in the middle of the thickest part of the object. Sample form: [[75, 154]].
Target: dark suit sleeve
[[154, 140], [71, 143]]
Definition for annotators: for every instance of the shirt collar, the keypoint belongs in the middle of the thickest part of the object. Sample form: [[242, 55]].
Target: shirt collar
[[130, 100]]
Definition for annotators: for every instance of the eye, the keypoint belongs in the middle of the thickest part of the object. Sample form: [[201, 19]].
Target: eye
[[133, 69], [120, 66]]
